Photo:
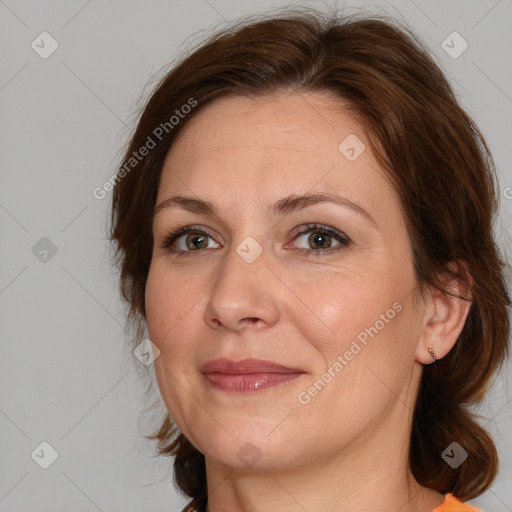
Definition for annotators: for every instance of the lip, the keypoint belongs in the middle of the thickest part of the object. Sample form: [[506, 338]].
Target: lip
[[230, 367], [247, 375]]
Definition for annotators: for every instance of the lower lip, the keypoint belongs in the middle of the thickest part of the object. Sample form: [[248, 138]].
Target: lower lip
[[247, 382]]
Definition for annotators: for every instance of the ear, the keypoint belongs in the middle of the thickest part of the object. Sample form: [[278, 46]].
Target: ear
[[444, 318]]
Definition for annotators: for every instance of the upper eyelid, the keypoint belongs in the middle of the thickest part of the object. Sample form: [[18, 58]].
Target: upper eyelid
[[305, 228]]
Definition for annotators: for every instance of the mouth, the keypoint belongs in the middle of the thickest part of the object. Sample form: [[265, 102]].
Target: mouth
[[247, 375]]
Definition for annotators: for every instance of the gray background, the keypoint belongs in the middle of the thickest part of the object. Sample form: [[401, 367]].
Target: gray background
[[66, 377]]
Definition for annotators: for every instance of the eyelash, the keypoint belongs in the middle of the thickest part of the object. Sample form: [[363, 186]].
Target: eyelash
[[344, 240]]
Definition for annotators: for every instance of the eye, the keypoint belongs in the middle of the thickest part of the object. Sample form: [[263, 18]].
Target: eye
[[317, 238], [196, 240], [322, 239]]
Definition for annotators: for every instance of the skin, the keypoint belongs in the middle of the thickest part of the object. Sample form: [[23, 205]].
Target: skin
[[347, 449]]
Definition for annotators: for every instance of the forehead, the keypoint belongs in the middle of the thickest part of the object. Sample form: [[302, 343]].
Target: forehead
[[281, 122], [244, 151]]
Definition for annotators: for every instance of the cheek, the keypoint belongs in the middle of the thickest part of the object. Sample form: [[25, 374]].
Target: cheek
[[168, 297], [360, 330], [172, 313], [343, 308], [158, 304], [361, 365]]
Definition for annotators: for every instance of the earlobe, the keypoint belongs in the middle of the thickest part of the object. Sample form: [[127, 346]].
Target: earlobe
[[444, 319]]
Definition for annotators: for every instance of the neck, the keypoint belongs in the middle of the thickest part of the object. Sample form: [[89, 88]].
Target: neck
[[322, 488]]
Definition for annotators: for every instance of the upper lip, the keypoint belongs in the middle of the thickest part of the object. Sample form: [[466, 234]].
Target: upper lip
[[246, 366]]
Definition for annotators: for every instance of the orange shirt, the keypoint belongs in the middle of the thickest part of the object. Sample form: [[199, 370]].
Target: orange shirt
[[452, 504]]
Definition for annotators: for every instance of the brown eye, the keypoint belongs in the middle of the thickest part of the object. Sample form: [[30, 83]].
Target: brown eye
[[196, 241], [187, 240], [321, 239]]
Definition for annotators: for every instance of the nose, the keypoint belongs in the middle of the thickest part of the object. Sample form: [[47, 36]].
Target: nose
[[244, 294]]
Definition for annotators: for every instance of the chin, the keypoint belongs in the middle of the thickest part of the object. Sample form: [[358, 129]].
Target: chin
[[248, 445]]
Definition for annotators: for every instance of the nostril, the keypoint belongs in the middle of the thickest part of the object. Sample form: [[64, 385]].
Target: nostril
[[251, 320]]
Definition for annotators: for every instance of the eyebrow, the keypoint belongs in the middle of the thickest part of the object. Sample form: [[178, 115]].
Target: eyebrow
[[282, 207]]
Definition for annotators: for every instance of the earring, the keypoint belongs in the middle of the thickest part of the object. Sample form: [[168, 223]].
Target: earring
[[432, 353]]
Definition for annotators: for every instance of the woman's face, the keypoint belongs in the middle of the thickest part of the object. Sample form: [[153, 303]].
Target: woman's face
[[251, 282]]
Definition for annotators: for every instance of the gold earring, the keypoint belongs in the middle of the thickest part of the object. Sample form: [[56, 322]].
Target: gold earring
[[432, 353]]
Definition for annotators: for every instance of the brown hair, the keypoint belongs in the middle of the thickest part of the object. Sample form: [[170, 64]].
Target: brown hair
[[436, 160]]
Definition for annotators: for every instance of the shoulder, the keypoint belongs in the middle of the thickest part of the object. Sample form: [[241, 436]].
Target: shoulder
[[452, 504]]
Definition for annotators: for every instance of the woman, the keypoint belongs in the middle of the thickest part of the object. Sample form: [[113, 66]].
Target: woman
[[303, 220]]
